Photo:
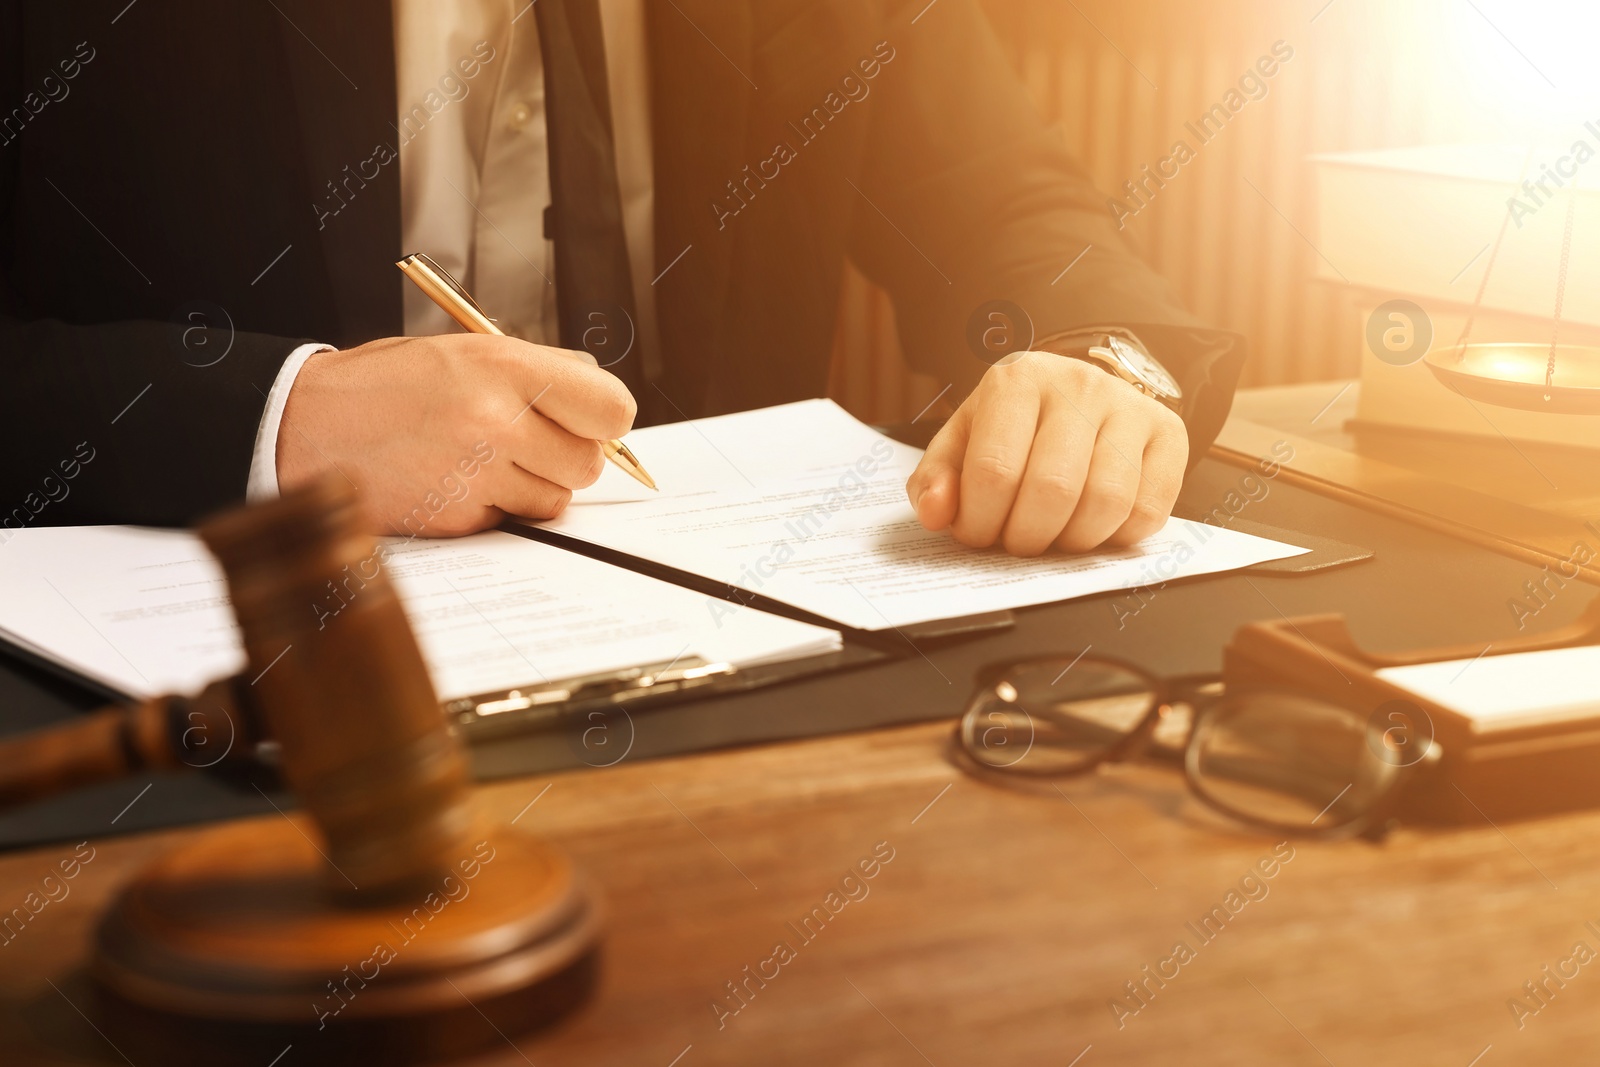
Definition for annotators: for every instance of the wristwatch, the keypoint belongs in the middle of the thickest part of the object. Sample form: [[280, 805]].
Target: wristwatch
[[1120, 352]]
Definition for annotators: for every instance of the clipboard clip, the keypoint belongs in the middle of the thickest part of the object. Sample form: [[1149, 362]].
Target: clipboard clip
[[608, 687]]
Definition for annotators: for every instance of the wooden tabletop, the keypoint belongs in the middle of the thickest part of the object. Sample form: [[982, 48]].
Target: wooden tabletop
[[999, 927]]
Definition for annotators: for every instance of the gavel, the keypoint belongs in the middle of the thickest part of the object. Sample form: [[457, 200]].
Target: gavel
[[164, 733], [389, 920]]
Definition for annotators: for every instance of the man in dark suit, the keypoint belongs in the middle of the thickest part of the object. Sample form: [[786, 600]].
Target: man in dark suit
[[192, 192]]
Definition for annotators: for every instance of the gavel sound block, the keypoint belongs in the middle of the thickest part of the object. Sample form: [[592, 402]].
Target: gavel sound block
[[387, 917]]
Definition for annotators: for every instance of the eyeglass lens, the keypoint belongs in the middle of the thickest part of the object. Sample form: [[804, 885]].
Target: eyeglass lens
[[1289, 760], [1054, 717]]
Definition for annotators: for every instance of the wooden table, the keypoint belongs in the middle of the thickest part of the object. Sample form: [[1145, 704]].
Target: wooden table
[[999, 933], [1006, 925]]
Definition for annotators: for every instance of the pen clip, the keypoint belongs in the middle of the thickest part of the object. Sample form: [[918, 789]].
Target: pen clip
[[447, 278]]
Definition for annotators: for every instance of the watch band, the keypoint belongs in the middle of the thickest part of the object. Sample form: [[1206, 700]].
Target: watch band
[[1094, 345]]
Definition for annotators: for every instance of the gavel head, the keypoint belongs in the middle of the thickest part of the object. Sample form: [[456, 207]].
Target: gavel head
[[342, 687]]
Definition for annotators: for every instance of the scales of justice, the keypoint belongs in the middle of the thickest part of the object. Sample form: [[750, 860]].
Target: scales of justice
[[1549, 377]]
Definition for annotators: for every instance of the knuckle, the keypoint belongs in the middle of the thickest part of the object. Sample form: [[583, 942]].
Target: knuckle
[[1006, 368], [1021, 364], [1080, 369], [993, 469], [1103, 384], [617, 409], [1060, 489], [1077, 372], [502, 355], [1169, 422], [1113, 498], [1119, 498], [1180, 446], [482, 408], [1020, 369]]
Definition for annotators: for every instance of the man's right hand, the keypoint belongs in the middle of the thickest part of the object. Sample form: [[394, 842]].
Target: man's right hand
[[404, 419]]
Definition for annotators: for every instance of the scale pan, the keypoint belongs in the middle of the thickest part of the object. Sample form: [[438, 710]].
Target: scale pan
[[1512, 376]]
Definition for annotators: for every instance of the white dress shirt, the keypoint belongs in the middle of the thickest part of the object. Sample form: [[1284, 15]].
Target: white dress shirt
[[475, 176]]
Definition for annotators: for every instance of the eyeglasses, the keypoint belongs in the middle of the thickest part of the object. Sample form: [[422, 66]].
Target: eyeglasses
[[1273, 759]]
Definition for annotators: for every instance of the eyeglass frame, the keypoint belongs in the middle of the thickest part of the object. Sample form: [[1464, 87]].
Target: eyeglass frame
[[1166, 694]]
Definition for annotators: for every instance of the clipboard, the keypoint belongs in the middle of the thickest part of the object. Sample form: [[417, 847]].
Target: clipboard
[[550, 706], [1509, 772]]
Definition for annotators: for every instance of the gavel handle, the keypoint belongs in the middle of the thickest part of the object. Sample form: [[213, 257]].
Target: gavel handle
[[163, 733]]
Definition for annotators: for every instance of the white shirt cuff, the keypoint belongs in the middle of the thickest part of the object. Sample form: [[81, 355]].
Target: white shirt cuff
[[263, 483]]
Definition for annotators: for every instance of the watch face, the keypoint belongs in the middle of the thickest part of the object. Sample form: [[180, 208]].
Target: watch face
[[1144, 366]]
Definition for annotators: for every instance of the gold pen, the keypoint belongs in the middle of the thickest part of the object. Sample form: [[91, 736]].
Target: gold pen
[[445, 291]]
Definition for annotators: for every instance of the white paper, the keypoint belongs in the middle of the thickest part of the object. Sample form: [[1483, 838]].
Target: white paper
[[805, 505], [146, 611], [1510, 691]]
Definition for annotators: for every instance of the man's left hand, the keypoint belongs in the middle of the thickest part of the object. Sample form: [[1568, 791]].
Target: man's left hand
[[1052, 451]]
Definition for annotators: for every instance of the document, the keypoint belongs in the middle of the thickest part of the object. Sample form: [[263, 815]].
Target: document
[[806, 505], [145, 611], [1511, 691]]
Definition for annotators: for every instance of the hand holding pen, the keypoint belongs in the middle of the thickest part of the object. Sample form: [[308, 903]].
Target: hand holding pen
[[448, 434], [450, 295]]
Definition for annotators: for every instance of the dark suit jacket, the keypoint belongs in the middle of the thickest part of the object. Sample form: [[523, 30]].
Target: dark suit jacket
[[185, 164]]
